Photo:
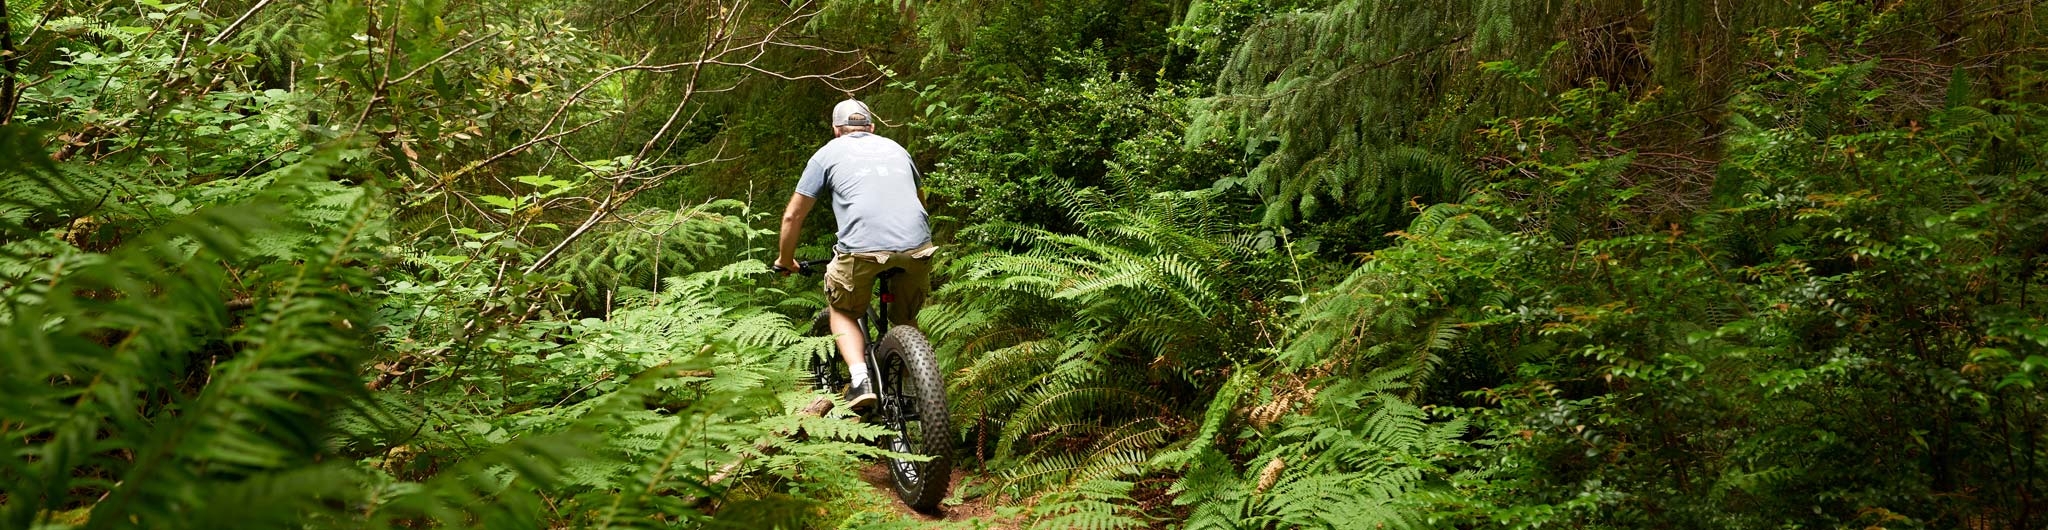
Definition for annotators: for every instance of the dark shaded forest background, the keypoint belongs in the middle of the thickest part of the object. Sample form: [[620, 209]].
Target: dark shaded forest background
[[1208, 263]]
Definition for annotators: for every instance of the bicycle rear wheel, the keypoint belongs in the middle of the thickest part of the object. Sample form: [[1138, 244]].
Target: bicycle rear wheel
[[914, 405]]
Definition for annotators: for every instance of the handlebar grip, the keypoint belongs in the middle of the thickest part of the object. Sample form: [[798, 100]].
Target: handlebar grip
[[807, 267]]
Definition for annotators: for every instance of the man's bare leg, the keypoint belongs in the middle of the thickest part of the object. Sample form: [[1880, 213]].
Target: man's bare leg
[[850, 345], [850, 342]]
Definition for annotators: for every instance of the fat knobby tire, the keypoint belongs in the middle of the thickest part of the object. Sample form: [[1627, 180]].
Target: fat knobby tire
[[921, 373]]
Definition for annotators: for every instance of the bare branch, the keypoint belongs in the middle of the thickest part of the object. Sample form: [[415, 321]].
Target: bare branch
[[691, 84], [521, 147], [230, 31], [603, 209], [451, 53]]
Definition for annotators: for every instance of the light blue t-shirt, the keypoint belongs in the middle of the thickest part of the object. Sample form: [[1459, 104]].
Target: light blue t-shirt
[[872, 184]]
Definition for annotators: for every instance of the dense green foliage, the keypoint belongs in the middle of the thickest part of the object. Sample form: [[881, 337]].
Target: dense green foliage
[[1215, 264]]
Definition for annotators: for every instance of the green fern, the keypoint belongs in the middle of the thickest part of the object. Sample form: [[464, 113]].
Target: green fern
[[1060, 349], [1335, 467], [103, 371]]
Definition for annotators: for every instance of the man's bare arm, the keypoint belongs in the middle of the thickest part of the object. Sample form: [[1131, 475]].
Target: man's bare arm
[[792, 225]]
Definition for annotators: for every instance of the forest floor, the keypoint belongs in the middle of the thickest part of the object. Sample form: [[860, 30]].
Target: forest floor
[[979, 512]]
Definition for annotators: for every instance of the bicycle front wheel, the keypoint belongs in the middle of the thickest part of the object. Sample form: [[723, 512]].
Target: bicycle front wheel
[[914, 405], [828, 373]]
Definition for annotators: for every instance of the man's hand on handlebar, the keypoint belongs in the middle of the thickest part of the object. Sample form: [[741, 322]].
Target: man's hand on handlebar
[[788, 266]]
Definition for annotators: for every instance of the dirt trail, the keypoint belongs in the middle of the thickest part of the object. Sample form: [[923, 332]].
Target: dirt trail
[[979, 508]]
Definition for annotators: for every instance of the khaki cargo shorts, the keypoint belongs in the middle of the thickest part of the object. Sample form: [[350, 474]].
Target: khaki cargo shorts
[[850, 281]]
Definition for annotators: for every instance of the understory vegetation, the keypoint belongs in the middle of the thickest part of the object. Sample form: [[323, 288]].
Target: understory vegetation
[[1205, 264]]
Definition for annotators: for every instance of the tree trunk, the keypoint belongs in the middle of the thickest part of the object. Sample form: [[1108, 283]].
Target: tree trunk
[[9, 62]]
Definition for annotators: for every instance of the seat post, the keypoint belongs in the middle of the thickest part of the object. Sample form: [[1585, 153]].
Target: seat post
[[884, 298], [882, 306]]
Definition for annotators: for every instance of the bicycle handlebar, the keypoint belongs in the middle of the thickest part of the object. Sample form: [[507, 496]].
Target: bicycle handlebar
[[807, 267]]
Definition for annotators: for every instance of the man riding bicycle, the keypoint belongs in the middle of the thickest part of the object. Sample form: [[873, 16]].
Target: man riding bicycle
[[873, 186]]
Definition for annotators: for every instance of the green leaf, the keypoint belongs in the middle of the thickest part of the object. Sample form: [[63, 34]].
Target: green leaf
[[500, 201]]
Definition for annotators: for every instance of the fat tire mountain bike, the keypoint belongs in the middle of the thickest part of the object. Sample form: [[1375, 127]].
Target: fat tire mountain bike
[[912, 403]]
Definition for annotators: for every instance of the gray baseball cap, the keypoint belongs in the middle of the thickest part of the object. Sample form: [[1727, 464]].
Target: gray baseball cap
[[851, 112]]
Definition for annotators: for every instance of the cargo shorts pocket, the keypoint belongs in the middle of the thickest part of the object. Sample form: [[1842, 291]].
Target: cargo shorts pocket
[[846, 287]]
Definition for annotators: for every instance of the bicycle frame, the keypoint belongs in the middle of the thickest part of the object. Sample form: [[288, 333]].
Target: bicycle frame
[[871, 339], [889, 373], [882, 301]]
